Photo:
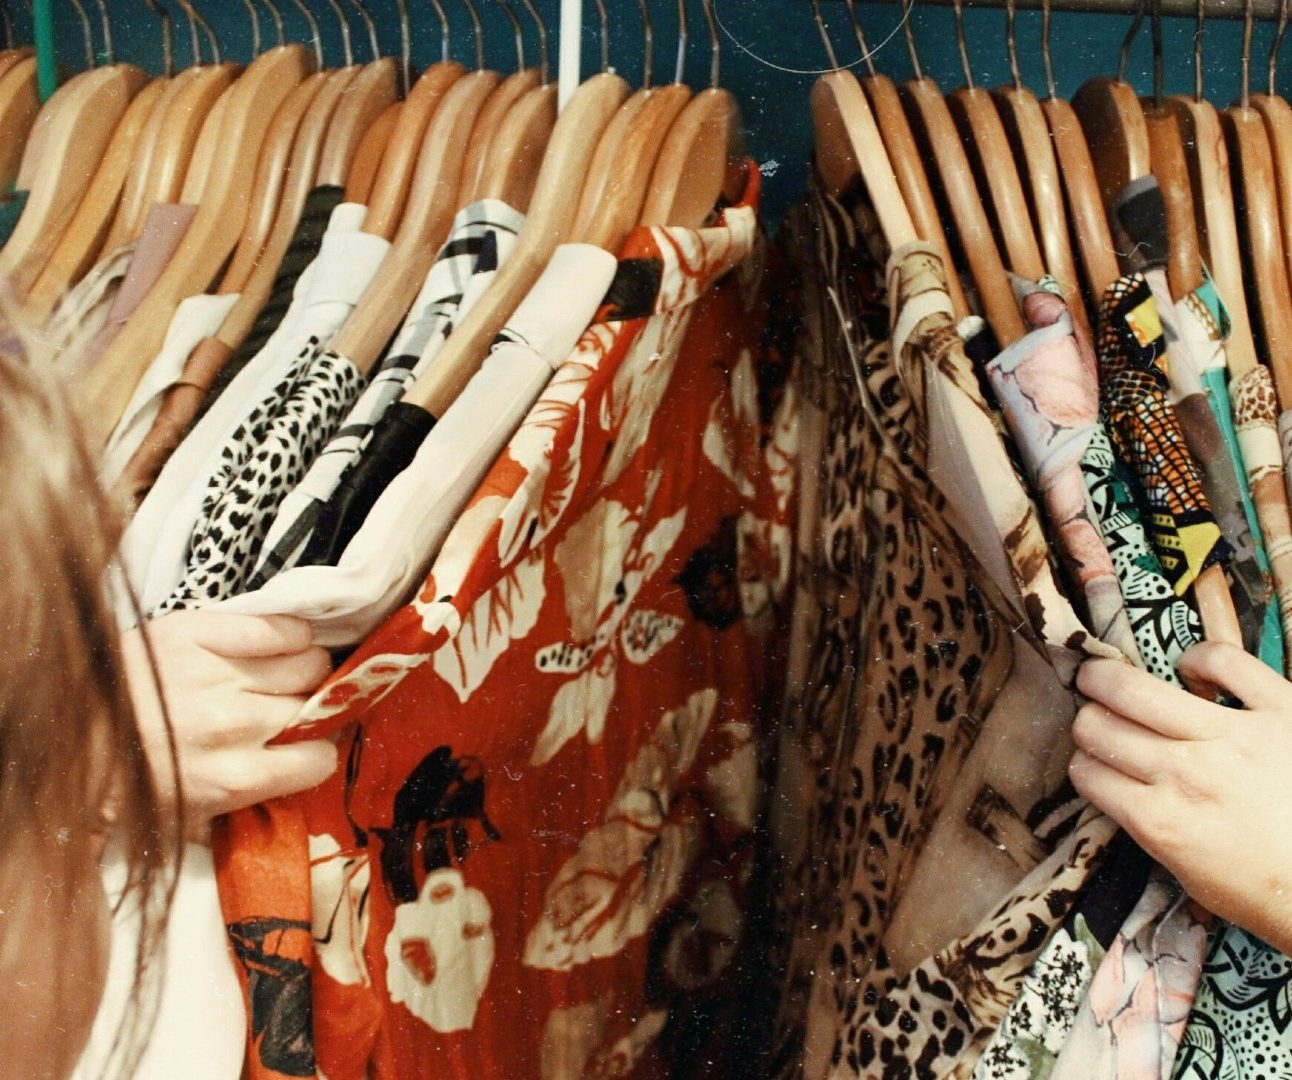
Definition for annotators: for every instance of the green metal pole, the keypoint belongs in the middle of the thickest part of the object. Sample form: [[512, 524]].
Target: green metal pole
[[42, 14]]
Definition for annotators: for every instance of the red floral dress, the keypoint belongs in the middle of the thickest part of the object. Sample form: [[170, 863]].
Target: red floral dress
[[535, 858]]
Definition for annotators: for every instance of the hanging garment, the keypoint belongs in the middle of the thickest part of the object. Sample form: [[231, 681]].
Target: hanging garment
[[83, 326], [479, 241], [1049, 392], [156, 544], [924, 845], [534, 863], [195, 318], [302, 250], [391, 552], [212, 362], [1256, 421], [1140, 226], [1165, 624], [1146, 434]]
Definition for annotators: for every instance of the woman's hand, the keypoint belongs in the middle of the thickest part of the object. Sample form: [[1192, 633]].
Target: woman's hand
[[231, 683], [1205, 789]]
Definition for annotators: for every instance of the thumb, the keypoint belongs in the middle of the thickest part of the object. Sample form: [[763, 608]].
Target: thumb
[[1217, 665], [286, 770], [237, 637]]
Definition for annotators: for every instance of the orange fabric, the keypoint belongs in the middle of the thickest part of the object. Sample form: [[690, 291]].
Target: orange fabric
[[533, 861]]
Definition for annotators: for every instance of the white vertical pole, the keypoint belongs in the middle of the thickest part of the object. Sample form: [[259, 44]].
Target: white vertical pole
[[571, 46]]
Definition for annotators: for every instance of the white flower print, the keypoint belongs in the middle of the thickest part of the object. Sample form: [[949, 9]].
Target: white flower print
[[457, 555], [339, 899], [361, 689], [574, 1045], [731, 785], [440, 952], [726, 417], [504, 614], [604, 560], [630, 867]]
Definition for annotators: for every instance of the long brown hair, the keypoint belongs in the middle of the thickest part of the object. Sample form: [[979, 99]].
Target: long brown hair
[[71, 758]]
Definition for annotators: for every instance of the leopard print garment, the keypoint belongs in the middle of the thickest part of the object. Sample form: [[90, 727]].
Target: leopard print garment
[[261, 463], [901, 640]]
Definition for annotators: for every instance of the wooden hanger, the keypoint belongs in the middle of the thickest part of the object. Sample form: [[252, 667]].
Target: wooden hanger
[[362, 177], [1113, 123], [1277, 115], [516, 153], [208, 242], [298, 183], [912, 180], [82, 242], [11, 58], [700, 162], [987, 149], [432, 202], [623, 168], [19, 107], [935, 130], [1166, 152], [271, 176], [510, 92], [81, 124], [132, 207], [202, 161], [373, 90], [547, 224], [390, 192]]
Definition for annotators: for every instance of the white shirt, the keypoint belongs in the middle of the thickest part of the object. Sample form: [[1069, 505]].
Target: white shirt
[[393, 549], [155, 546]]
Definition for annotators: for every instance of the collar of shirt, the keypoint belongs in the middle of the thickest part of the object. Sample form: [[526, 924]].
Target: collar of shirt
[[83, 309], [195, 318]]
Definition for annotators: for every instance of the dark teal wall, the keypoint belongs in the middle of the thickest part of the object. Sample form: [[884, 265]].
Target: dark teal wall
[[769, 49]]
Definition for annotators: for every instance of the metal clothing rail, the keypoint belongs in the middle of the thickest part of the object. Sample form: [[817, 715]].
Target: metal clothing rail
[[1264, 10], [42, 17]]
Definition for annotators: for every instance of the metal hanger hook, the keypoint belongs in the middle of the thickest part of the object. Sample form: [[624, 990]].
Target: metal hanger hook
[[603, 19], [962, 44], [517, 31], [254, 16], [87, 33], [683, 35], [1249, 20], [909, 33], [825, 36], [6, 16], [1050, 85], [544, 65], [167, 41], [365, 13], [316, 32], [109, 53], [444, 29], [477, 32], [1011, 43], [1158, 56], [198, 21], [405, 46], [1123, 64], [1197, 49], [860, 35], [347, 43], [648, 43], [1276, 45], [276, 17], [715, 44]]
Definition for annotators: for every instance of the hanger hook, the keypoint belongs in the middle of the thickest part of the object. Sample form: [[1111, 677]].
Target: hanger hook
[[316, 33], [603, 21], [276, 17], [715, 44], [648, 43], [477, 30], [254, 16], [683, 35], [962, 44], [444, 28], [1277, 44], [87, 33], [544, 66], [198, 20], [1050, 85], [347, 43], [365, 13], [109, 53], [1201, 16], [6, 16], [1123, 65], [825, 37], [167, 42], [860, 34], [405, 46], [909, 33], [1011, 43], [1158, 54], [1249, 19], [517, 33]]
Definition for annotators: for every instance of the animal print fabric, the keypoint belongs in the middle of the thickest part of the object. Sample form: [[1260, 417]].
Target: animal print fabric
[[536, 857], [923, 844], [264, 459]]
